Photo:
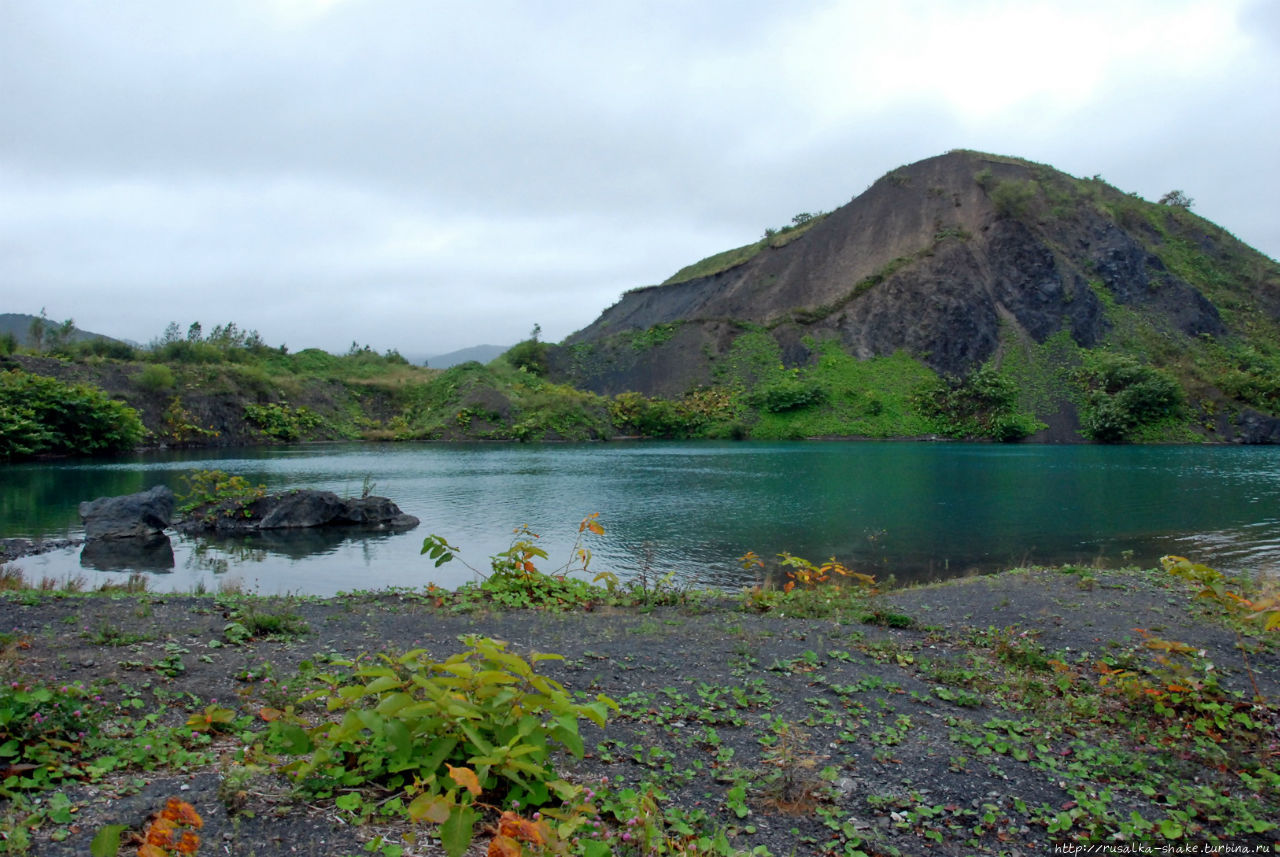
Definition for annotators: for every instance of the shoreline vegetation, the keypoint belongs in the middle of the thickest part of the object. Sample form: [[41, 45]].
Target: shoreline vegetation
[[815, 715], [57, 405]]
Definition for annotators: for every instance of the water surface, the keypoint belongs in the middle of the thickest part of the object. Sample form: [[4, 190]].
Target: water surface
[[913, 510]]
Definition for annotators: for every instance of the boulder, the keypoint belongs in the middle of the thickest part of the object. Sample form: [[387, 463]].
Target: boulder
[[131, 516], [300, 509], [377, 512], [295, 509]]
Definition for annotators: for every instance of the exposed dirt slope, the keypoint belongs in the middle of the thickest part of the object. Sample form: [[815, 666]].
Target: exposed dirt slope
[[939, 258]]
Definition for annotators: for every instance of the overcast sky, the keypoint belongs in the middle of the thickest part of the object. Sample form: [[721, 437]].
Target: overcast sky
[[427, 175]]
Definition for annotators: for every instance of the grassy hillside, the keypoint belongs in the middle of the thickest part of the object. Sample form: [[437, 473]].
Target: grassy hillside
[[229, 388]]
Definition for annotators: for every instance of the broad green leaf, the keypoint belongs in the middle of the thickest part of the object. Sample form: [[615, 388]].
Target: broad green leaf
[[566, 732], [293, 737], [496, 677], [396, 702], [106, 842], [440, 750], [476, 738], [457, 830], [382, 684], [399, 739]]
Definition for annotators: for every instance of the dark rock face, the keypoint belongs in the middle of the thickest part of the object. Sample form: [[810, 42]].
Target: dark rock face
[[1255, 427], [299, 510], [131, 516], [928, 261]]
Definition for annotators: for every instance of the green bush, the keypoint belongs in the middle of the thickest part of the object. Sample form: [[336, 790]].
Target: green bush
[[480, 724], [156, 377], [1013, 198], [281, 421], [788, 394], [216, 487], [530, 355], [40, 415], [983, 405], [1122, 395], [112, 349]]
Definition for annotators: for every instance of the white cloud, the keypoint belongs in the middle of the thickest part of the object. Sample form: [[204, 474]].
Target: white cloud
[[396, 172]]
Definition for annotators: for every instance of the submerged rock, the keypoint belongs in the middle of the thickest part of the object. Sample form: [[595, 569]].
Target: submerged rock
[[140, 515]]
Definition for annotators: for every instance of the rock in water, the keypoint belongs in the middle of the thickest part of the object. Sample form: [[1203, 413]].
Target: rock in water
[[131, 516], [299, 509], [377, 512]]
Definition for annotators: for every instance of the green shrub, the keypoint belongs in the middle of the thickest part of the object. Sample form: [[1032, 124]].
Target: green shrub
[[209, 487], [156, 377], [113, 349], [787, 394], [480, 724], [40, 415], [281, 421], [1122, 395], [983, 405], [1013, 198], [530, 355]]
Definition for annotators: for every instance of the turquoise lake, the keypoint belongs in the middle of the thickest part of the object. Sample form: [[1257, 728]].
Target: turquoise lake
[[911, 510]]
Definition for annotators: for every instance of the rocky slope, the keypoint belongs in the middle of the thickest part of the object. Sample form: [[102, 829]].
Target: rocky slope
[[960, 261]]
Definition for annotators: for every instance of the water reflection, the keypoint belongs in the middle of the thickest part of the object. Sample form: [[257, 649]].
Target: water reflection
[[150, 553]]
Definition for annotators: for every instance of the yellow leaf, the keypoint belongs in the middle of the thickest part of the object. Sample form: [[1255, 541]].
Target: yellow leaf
[[464, 777]]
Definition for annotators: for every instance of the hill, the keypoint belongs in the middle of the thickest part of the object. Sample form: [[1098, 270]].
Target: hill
[[476, 353], [19, 325], [970, 295]]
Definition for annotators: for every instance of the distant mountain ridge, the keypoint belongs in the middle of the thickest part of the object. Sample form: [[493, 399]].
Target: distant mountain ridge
[[478, 353], [19, 324]]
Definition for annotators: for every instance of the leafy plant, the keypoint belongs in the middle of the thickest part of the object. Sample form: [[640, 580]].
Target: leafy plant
[[810, 589], [214, 487], [40, 415], [1124, 395], [985, 404], [181, 426], [480, 724], [280, 421], [515, 579]]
